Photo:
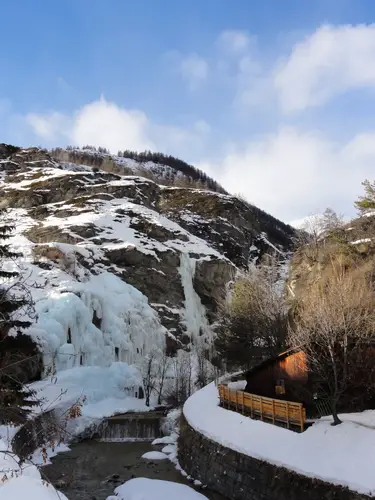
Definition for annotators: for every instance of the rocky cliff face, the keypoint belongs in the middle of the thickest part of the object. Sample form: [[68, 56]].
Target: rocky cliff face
[[178, 247]]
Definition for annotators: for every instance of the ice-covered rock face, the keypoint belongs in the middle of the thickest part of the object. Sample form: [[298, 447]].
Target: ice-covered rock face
[[120, 264]]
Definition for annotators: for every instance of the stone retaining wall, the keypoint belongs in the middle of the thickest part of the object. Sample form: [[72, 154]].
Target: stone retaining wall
[[240, 477]]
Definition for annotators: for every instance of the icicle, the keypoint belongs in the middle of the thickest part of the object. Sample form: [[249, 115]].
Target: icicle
[[195, 313]]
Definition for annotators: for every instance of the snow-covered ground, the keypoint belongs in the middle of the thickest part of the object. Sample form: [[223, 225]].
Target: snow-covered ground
[[340, 455], [141, 488], [22, 482], [103, 391]]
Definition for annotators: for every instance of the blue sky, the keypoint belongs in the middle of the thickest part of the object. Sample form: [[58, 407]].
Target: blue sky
[[274, 99]]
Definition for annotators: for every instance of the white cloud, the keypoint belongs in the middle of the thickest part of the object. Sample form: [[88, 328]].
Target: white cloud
[[329, 62], [292, 173], [99, 123], [49, 125], [240, 60], [194, 69], [234, 41], [103, 123]]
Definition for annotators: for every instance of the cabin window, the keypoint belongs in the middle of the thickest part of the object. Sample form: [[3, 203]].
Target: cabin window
[[69, 341], [116, 353], [280, 387]]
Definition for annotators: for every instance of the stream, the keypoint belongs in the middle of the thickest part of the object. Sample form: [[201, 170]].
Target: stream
[[93, 469]]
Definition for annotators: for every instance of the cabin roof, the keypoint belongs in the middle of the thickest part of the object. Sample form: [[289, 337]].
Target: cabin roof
[[274, 359]]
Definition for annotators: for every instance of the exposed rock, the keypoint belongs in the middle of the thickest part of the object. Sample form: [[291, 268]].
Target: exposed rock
[[210, 280], [155, 276], [46, 234]]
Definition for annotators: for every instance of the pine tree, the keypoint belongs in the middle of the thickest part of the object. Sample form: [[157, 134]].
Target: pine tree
[[367, 202], [16, 399]]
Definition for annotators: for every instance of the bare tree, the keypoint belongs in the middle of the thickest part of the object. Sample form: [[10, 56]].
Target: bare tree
[[254, 318], [163, 367], [308, 237], [204, 369], [331, 221], [182, 381], [335, 327], [314, 231], [149, 370]]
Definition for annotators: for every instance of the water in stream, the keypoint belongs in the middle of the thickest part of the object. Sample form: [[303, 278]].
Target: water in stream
[[93, 469]]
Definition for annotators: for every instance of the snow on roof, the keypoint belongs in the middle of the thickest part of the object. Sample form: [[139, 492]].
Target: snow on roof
[[339, 455]]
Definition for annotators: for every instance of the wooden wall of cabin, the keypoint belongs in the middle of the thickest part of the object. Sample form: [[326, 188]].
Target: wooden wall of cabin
[[289, 372]]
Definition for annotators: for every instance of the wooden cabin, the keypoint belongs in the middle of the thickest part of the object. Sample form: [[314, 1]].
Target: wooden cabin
[[277, 377], [288, 377]]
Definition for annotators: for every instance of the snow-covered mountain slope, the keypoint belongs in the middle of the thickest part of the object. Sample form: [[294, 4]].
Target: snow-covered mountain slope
[[163, 169], [119, 264]]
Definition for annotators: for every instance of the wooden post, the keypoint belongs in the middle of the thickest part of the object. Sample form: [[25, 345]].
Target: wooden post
[[261, 408], [236, 400], [273, 411], [243, 403], [287, 415], [301, 417], [251, 406]]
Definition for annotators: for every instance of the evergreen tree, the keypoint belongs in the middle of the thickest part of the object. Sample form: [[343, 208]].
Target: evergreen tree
[[367, 202], [16, 399]]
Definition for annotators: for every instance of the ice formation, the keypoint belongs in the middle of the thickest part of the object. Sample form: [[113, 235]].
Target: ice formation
[[96, 323]]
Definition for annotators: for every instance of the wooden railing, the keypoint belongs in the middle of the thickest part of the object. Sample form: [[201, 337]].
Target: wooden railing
[[274, 410]]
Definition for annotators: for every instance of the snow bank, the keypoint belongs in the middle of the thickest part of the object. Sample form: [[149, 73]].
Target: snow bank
[[164, 440], [169, 448], [154, 455], [154, 489], [106, 391], [29, 488], [339, 455], [25, 484], [239, 385]]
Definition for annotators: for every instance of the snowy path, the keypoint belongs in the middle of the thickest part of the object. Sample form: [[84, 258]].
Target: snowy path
[[339, 455]]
